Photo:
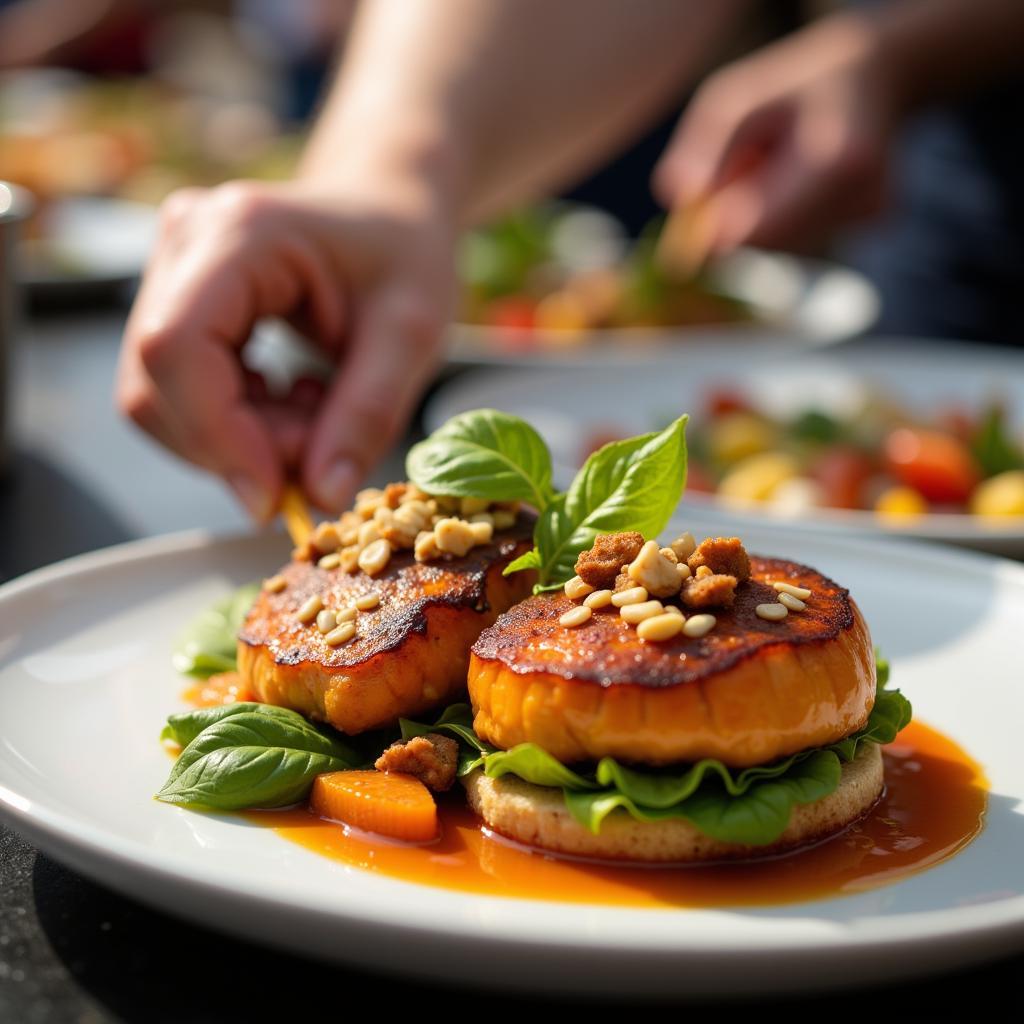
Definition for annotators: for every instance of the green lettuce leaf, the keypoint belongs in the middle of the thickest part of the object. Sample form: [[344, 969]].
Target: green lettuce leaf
[[208, 645]]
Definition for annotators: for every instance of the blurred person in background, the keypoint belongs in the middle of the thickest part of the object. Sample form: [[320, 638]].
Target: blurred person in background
[[447, 113]]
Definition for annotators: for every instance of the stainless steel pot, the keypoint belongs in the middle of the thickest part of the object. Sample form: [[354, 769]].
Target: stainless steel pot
[[15, 206]]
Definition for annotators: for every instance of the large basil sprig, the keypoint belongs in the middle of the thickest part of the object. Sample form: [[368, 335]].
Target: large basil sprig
[[626, 485], [249, 755], [209, 643], [483, 454]]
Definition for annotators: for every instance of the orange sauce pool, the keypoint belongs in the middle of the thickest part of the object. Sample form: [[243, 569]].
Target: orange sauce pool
[[933, 806]]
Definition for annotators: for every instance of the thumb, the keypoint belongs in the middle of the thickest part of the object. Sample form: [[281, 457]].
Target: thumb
[[390, 362]]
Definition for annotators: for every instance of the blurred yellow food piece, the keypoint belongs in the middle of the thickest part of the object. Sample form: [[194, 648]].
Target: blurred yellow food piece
[[1000, 496], [738, 434], [757, 477], [900, 503]]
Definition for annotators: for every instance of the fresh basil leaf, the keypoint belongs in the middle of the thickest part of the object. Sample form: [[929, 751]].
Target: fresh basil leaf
[[527, 560], [253, 729], [185, 726], [209, 643], [233, 777], [633, 484], [484, 454]]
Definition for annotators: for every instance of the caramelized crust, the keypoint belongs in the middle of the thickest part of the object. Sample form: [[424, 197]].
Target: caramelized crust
[[410, 653], [748, 692]]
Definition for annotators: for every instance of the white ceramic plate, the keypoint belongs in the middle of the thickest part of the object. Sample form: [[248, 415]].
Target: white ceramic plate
[[88, 243], [795, 301], [85, 685], [569, 405]]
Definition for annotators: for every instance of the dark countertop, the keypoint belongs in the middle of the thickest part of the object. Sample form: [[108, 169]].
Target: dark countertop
[[74, 951]]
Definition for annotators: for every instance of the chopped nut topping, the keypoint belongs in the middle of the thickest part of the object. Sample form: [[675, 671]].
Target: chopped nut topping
[[653, 571]]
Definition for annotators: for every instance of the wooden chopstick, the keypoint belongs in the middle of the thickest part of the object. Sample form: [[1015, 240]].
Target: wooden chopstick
[[295, 513]]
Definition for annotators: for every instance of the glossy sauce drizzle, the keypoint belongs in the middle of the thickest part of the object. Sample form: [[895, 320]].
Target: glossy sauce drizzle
[[933, 806]]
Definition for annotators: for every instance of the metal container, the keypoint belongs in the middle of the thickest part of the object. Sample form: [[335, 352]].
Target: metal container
[[15, 206]]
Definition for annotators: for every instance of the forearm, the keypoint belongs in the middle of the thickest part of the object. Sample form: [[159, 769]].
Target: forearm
[[939, 49], [496, 101]]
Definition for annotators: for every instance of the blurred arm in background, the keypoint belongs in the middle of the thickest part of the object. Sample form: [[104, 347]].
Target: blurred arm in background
[[443, 112], [788, 144]]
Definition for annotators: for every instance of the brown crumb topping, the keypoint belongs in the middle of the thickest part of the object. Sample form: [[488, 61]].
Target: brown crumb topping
[[611, 551], [433, 759], [716, 590], [723, 556]]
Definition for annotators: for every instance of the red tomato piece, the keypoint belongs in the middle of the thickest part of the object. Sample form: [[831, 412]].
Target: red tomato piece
[[842, 473], [937, 465]]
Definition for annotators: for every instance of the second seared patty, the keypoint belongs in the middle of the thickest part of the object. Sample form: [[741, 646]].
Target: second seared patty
[[410, 653]]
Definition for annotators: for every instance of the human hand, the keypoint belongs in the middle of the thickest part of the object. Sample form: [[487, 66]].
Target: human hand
[[782, 147], [366, 272]]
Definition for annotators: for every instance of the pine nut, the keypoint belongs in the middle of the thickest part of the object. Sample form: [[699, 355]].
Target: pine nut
[[699, 625], [659, 627], [375, 557], [310, 609], [634, 613], [575, 616], [341, 635], [325, 621], [471, 506], [598, 599], [482, 533], [794, 604], [275, 584], [325, 538], [349, 559], [771, 612], [670, 555], [368, 533], [576, 588], [368, 602], [684, 546], [704, 571], [674, 609], [790, 588], [453, 536], [331, 561], [482, 517], [634, 595], [425, 548], [346, 614], [684, 571], [503, 519]]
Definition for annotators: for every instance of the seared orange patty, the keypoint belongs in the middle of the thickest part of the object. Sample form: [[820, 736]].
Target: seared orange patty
[[410, 653], [748, 692]]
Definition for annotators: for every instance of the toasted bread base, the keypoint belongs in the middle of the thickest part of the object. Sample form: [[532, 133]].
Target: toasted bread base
[[537, 816]]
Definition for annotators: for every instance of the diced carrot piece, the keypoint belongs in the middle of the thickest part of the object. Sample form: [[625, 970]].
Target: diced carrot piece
[[224, 688], [387, 803]]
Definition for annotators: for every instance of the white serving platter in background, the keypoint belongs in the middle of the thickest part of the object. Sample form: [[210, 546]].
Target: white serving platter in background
[[570, 405]]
